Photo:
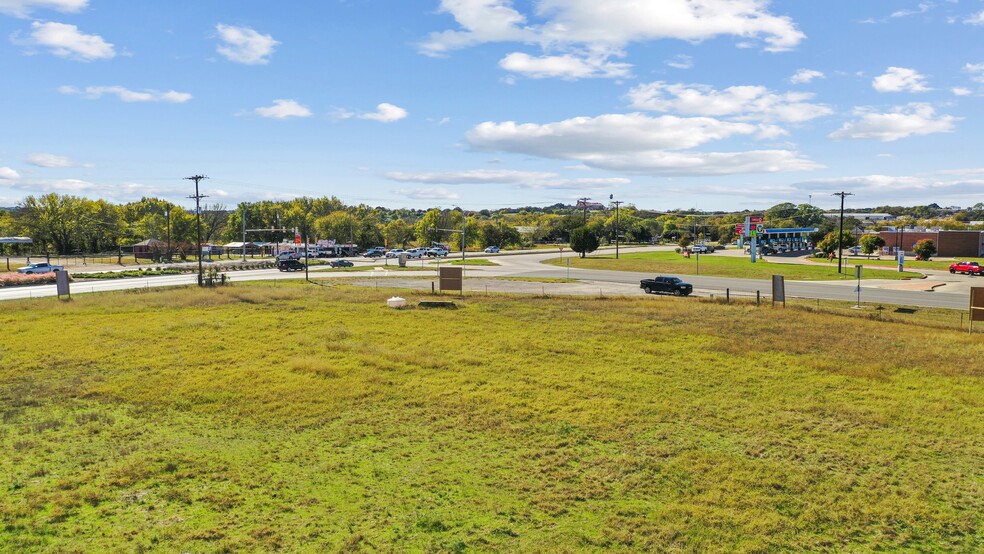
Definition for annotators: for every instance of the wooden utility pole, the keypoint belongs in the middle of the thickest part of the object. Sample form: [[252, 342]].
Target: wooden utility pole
[[198, 216]]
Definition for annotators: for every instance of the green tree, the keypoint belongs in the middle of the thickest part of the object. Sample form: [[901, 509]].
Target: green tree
[[925, 249], [398, 233], [52, 220], [829, 243], [781, 215], [583, 241], [871, 243]]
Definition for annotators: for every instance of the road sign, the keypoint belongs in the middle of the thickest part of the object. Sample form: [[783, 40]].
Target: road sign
[[756, 219]]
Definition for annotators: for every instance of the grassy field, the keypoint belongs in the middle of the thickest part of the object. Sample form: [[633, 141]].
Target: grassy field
[[258, 418], [721, 266], [910, 262]]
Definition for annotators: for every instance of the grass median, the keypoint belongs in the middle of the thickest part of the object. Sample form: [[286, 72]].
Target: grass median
[[257, 418], [721, 266]]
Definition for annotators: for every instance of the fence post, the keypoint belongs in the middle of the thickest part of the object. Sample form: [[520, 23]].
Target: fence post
[[727, 296], [758, 298]]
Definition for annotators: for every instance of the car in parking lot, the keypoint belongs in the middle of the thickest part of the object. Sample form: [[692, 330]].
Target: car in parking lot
[[699, 248], [340, 263], [969, 268], [395, 253], [290, 265], [491, 249], [666, 285], [42, 267], [415, 252], [374, 252], [435, 252]]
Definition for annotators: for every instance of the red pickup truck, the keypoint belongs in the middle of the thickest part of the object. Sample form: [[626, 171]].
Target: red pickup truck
[[970, 268]]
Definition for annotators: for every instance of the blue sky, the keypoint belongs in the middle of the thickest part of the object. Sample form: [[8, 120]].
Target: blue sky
[[665, 104]]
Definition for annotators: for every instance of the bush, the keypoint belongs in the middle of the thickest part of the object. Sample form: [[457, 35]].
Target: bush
[[19, 279]]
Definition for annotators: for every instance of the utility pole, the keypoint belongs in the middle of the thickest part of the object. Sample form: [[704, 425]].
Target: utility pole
[[584, 205], [840, 233], [617, 204], [198, 216]]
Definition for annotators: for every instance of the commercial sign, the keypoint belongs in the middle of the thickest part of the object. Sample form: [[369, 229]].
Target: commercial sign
[[756, 219]]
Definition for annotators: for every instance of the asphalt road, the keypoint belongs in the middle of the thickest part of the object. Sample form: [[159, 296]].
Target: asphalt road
[[923, 294]]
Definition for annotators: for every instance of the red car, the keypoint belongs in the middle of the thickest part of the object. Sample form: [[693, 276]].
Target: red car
[[970, 268]]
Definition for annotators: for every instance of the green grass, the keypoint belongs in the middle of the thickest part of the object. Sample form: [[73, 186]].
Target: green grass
[[720, 266], [472, 261], [539, 279], [910, 262], [298, 418]]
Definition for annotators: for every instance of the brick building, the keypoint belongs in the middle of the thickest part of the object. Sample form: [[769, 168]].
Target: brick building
[[949, 244]]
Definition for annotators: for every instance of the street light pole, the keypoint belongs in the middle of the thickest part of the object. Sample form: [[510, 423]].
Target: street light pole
[[167, 214], [840, 233]]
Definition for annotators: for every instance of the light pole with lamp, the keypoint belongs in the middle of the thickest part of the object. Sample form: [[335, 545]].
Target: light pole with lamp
[[840, 233], [167, 214]]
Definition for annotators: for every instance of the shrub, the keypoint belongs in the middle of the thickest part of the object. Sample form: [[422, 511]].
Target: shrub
[[18, 279]]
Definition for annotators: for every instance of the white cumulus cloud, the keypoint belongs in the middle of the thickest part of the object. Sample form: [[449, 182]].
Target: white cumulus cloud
[[961, 91], [23, 8], [283, 109], [567, 66], [244, 45], [902, 122], [900, 79], [976, 71], [127, 95], [385, 113], [49, 160], [66, 41], [681, 61], [805, 76], [975, 19], [8, 174], [740, 102], [636, 143], [594, 30]]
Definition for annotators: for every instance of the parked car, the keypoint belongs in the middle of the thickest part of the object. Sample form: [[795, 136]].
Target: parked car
[[290, 265], [969, 268], [415, 252], [491, 249], [855, 250], [435, 252], [41, 267], [374, 252], [395, 253], [340, 263], [667, 285], [699, 248], [292, 255]]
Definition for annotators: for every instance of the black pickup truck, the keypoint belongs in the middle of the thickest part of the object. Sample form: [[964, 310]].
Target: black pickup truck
[[668, 285]]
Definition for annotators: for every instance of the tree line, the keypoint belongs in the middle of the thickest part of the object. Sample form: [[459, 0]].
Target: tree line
[[65, 224]]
